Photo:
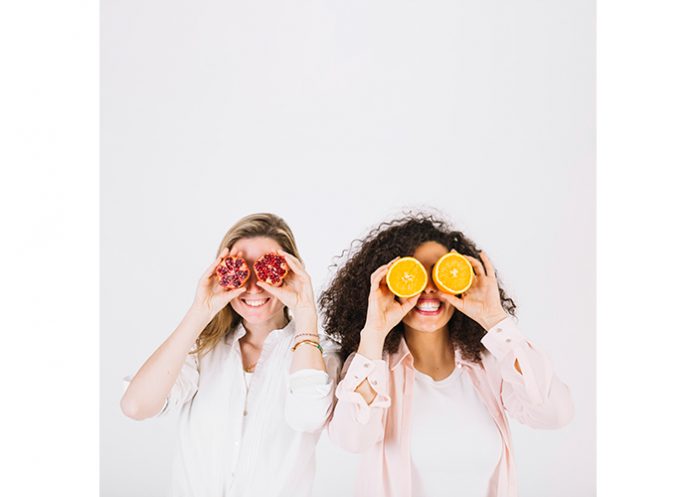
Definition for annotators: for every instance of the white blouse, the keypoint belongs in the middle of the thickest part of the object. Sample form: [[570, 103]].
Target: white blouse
[[455, 443], [234, 443]]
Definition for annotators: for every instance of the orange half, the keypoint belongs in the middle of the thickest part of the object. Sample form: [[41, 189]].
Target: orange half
[[453, 273], [407, 277]]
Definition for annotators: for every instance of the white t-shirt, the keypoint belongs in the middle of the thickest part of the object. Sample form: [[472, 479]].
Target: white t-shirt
[[455, 443]]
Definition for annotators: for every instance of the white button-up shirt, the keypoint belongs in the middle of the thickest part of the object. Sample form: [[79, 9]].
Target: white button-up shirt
[[260, 443]]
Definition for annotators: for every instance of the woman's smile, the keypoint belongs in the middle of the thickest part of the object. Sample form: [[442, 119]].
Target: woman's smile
[[429, 306], [255, 301]]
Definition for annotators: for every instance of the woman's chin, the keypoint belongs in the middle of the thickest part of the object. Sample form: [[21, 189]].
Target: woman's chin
[[425, 323], [425, 328], [254, 319]]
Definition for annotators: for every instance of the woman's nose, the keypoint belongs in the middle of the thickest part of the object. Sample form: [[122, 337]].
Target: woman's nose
[[252, 286], [430, 286]]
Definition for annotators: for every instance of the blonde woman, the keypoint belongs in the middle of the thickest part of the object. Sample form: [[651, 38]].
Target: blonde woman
[[248, 374]]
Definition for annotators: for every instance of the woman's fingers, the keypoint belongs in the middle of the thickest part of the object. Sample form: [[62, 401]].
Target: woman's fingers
[[278, 292], [223, 253], [379, 273], [234, 293], [211, 269], [295, 265], [377, 276], [273, 290], [478, 267], [456, 302], [490, 270], [291, 258], [409, 304]]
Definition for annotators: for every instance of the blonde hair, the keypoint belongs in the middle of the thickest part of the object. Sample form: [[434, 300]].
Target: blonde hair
[[254, 225]]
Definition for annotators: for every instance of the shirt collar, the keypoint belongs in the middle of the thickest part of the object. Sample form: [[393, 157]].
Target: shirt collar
[[401, 354], [404, 354]]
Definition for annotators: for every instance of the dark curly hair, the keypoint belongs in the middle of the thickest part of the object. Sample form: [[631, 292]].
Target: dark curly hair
[[344, 302]]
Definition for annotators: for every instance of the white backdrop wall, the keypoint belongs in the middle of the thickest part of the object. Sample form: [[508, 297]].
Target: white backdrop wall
[[336, 115]]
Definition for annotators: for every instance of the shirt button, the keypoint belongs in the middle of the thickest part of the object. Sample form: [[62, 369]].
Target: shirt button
[[498, 330], [245, 413], [508, 340]]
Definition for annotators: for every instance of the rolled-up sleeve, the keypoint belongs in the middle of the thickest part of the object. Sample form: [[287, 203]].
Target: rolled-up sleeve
[[310, 392], [535, 397], [355, 425]]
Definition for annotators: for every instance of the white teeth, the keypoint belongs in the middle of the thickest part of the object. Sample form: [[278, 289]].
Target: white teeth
[[428, 306], [255, 303]]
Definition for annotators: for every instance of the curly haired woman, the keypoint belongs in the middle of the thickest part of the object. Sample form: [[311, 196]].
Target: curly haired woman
[[429, 381]]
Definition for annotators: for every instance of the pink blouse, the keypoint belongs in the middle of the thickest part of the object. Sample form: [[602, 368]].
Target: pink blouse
[[380, 431]]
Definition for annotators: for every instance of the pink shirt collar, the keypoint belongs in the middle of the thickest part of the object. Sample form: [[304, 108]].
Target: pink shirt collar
[[403, 354]]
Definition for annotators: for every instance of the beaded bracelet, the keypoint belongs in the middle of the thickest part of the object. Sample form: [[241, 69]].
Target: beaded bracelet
[[315, 335], [315, 344]]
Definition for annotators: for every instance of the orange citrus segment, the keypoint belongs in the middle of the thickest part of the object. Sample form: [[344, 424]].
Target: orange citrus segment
[[453, 273], [407, 277]]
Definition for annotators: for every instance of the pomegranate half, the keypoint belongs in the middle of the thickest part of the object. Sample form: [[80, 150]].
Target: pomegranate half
[[271, 268], [233, 272]]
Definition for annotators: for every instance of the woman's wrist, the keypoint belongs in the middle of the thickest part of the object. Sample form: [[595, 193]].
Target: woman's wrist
[[490, 320], [200, 314], [202, 305], [305, 321], [371, 343], [192, 324]]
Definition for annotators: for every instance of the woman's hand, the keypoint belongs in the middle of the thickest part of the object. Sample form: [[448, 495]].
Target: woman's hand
[[481, 302], [211, 297], [296, 291], [384, 312]]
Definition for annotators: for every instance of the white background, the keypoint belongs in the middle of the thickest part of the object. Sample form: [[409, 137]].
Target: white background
[[336, 115], [49, 202]]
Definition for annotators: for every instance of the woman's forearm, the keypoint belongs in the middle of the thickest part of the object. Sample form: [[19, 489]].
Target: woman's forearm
[[151, 385], [371, 346], [357, 421]]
